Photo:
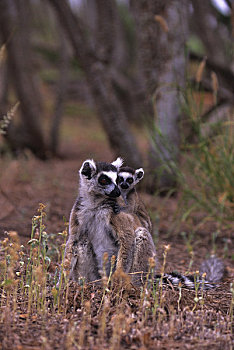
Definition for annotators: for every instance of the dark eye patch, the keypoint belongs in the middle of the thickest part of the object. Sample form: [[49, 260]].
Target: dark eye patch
[[104, 180], [130, 180], [120, 179]]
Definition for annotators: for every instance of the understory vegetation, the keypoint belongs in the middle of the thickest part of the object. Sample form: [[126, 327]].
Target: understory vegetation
[[39, 310]]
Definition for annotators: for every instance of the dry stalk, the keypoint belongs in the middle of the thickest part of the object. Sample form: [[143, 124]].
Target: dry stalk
[[162, 22], [2, 53], [118, 325], [106, 281], [102, 327], [200, 70], [166, 249], [179, 297], [70, 337], [84, 323], [231, 306], [196, 286]]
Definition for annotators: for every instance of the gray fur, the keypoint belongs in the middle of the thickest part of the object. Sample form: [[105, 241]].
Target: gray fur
[[213, 268], [94, 229], [144, 244], [94, 224]]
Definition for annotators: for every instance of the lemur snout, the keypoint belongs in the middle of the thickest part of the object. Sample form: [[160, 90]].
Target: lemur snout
[[124, 186], [115, 193]]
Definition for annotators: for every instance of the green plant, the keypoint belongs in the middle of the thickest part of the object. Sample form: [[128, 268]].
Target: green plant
[[206, 179], [106, 281], [209, 182]]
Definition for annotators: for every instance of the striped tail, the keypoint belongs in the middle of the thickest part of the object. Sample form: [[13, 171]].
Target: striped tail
[[189, 281], [212, 269]]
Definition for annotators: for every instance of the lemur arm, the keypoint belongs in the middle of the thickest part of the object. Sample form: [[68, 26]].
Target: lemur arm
[[124, 228], [143, 215], [116, 207], [119, 207]]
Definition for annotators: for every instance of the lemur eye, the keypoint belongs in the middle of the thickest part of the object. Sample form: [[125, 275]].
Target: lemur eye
[[120, 179], [104, 180], [130, 180]]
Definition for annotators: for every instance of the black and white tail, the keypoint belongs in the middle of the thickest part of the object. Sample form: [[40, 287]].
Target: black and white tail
[[210, 273]]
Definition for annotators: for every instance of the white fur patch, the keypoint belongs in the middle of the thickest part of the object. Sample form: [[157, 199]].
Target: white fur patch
[[118, 162], [125, 175], [91, 162], [111, 174]]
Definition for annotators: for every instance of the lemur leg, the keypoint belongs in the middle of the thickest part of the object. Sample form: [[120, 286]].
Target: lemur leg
[[144, 249], [79, 259], [123, 230], [83, 263], [126, 252]]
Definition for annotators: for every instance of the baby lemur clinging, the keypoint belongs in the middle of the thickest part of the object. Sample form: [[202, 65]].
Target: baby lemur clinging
[[127, 180]]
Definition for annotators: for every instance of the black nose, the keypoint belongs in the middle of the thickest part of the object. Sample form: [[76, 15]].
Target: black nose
[[115, 193], [124, 186]]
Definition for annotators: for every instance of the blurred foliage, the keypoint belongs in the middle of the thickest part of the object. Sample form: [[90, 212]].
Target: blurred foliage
[[207, 180], [129, 30], [205, 173], [194, 44]]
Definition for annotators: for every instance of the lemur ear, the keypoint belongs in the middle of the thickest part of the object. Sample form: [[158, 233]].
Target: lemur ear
[[88, 168], [118, 163], [139, 174]]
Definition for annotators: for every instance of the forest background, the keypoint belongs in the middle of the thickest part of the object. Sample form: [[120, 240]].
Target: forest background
[[148, 80]]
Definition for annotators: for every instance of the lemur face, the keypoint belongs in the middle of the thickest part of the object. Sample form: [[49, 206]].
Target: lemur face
[[125, 180], [100, 178], [128, 178]]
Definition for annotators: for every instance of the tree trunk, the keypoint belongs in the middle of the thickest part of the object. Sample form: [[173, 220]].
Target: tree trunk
[[95, 64], [106, 26], [61, 92], [13, 25], [162, 28], [214, 35], [4, 68]]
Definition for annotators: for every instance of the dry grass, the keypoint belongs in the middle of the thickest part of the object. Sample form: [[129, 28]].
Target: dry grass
[[107, 314]]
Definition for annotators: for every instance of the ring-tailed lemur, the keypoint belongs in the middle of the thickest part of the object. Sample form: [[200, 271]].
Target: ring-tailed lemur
[[90, 234], [127, 180], [94, 229]]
